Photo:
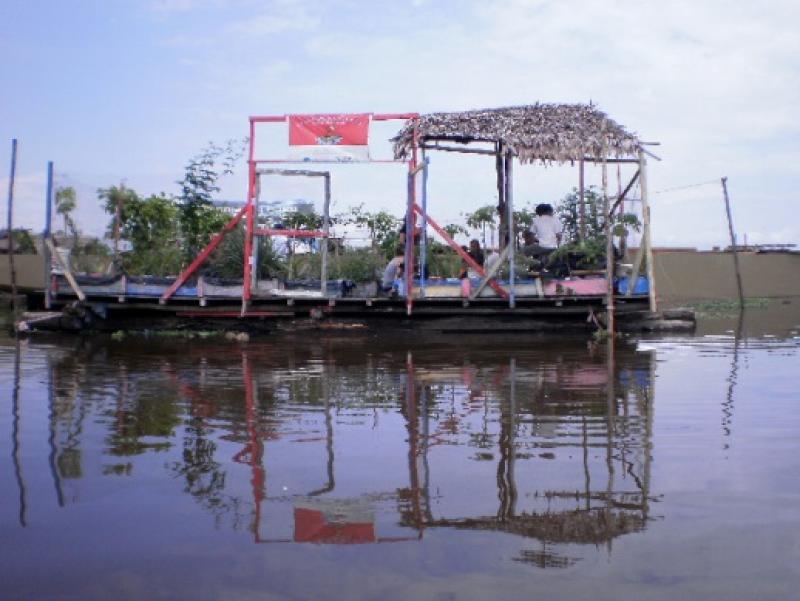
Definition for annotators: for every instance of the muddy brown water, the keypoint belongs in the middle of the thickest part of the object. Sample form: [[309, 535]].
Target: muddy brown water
[[366, 467]]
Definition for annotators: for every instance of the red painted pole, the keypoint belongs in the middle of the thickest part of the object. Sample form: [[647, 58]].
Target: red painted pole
[[468, 259], [204, 254]]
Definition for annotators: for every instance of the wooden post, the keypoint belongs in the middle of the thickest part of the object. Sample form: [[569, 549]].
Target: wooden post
[[733, 243], [512, 238], [501, 193], [581, 203], [11, 268], [610, 263], [326, 226], [648, 247]]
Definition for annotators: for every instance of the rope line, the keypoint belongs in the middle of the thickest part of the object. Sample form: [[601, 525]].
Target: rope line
[[713, 181]]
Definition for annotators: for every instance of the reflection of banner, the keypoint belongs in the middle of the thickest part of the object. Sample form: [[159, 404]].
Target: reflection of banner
[[329, 137]]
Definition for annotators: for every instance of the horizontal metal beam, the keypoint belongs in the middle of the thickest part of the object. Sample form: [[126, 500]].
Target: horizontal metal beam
[[375, 117], [290, 233], [291, 172], [320, 162]]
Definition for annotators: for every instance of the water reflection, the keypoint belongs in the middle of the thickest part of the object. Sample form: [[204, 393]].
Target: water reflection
[[363, 440]]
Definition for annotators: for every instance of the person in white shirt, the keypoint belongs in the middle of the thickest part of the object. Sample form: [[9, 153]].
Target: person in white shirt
[[546, 228]]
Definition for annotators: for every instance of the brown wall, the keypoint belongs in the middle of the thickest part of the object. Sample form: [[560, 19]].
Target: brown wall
[[707, 275], [29, 269]]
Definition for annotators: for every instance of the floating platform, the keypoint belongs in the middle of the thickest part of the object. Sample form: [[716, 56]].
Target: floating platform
[[540, 304]]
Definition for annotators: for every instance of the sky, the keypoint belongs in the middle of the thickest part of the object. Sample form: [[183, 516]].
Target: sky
[[128, 90]]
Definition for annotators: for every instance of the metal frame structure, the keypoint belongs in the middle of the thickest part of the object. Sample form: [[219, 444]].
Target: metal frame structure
[[504, 159]]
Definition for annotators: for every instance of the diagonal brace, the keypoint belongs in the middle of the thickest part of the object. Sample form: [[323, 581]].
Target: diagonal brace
[[200, 259], [467, 259]]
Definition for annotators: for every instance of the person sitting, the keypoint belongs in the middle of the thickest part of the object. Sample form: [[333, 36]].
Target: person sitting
[[393, 270], [476, 254], [546, 228]]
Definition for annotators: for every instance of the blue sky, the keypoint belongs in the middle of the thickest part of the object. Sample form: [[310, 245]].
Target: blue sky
[[124, 89]]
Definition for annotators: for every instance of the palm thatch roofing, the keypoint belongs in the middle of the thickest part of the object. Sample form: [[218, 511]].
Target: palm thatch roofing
[[539, 132]]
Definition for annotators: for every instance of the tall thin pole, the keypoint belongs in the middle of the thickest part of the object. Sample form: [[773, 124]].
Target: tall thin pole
[[610, 263], [48, 223], [501, 194], [647, 236], [11, 270], [326, 227], [423, 243], [733, 243], [248, 215], [509, 162]]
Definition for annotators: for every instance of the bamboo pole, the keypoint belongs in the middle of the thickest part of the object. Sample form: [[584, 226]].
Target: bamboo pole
[[610, 325], [733, 243], [10, 230], [501, 192]]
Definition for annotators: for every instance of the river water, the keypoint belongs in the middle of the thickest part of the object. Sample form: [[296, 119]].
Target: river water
[[373, 467]]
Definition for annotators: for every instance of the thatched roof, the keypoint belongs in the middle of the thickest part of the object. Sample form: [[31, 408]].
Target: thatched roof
[[539, 132]]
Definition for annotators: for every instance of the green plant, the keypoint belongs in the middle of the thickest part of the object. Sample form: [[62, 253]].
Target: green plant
[[590, 252], [150, 225], [482, 218], [23, 242], [227, 261], [199, 219], [66, 202]]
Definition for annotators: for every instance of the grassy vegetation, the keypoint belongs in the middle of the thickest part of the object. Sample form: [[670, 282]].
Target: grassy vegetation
[[725, 307]]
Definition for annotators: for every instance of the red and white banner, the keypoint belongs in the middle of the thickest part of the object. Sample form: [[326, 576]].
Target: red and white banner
[[342, 138]]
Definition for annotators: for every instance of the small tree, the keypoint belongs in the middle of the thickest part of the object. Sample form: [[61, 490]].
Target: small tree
[[594, 245], [454, 229], [66, 202], [199, 219], [482, 218], [150, 225]]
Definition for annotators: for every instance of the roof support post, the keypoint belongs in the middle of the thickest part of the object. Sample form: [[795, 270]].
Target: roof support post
[[512, 238], [610, 263], [500, 165]]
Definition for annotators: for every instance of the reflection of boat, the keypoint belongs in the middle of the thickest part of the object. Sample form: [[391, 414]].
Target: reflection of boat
[[375, 444], [333, 521]]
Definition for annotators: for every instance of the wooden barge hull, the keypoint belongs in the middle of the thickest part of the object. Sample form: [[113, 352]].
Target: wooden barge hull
[[570, 305]]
